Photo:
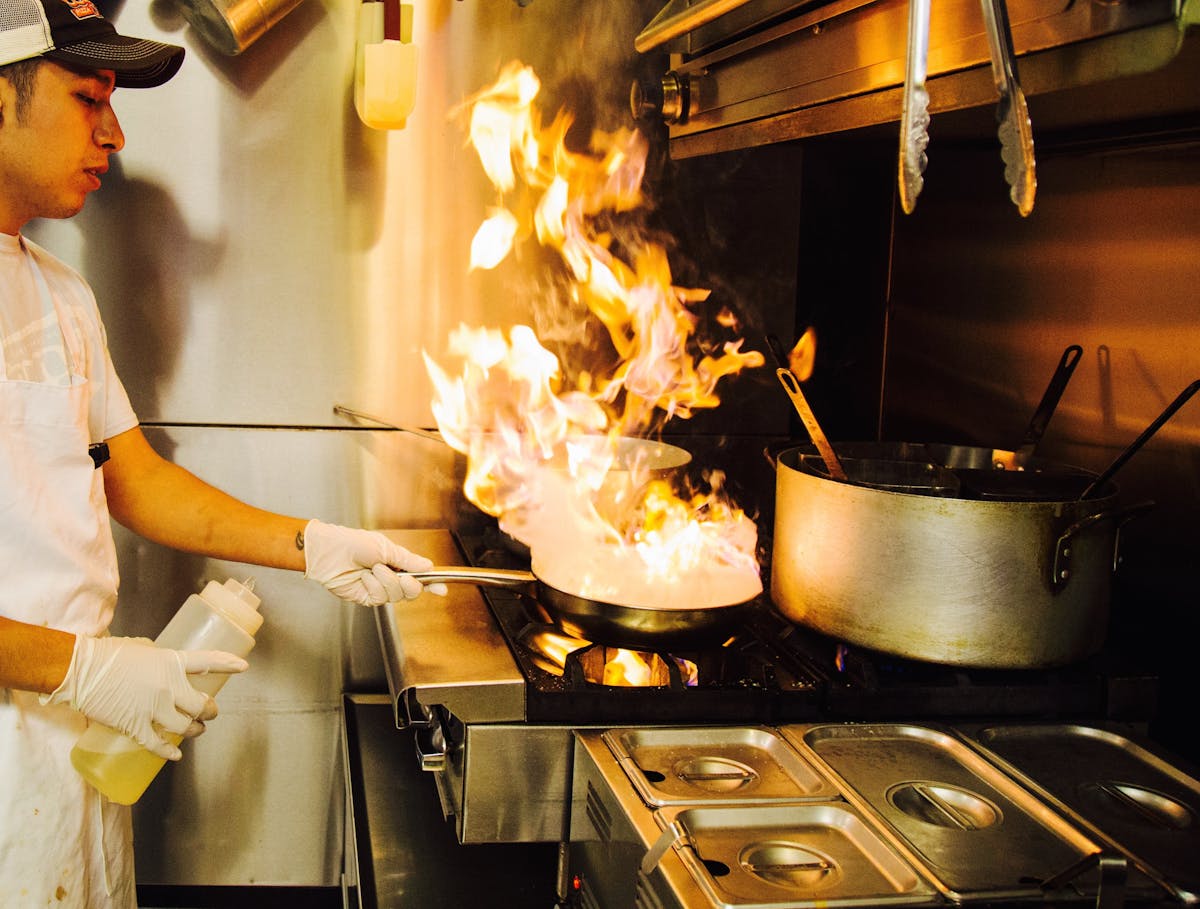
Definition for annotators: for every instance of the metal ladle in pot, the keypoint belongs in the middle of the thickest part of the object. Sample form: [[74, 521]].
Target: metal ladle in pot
[[1015, 475], [1100, 487], [1046, 407], [1064, 484], [1097, 485], [914, 477], [792, 386]]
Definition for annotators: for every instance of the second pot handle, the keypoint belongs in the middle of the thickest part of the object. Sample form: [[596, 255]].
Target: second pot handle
[[1060, 568]]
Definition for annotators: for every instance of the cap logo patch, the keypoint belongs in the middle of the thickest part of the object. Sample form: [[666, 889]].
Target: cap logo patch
[[83, 9]]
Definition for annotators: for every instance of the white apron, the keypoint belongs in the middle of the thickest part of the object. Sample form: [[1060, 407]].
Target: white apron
[[62, 844]]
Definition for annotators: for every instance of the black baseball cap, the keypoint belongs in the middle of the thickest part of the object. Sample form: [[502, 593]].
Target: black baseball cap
[[75, 32]]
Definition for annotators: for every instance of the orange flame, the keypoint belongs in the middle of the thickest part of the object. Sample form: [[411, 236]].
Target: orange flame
[[803, 357], [646, 316], [541, 446]]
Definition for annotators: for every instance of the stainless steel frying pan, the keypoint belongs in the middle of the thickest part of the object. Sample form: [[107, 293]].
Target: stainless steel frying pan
[[615, 624]]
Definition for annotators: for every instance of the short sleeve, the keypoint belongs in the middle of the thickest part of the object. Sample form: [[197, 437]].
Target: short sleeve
[[109, 410]]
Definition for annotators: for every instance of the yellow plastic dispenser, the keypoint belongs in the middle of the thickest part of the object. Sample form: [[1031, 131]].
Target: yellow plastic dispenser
[[220, 617]]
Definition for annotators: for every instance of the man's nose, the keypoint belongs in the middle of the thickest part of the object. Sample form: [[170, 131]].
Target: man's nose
[[108, 133]]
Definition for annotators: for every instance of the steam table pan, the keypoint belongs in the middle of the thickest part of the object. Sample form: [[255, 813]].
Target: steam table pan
[[800, 856], [1122, 792], [976, 833], [693, 766]]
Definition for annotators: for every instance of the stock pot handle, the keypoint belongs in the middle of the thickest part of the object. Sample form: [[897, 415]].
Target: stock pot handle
[[1060, 569], [775, 450]]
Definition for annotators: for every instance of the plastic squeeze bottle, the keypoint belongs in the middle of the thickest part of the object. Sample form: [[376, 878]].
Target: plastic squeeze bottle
[[220, 617]]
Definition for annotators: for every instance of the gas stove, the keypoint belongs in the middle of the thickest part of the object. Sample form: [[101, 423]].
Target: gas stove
[[495, 712], [515, 722], [773, 671]]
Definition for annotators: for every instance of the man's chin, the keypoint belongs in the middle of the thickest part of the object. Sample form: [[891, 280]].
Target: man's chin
[[66, 209]]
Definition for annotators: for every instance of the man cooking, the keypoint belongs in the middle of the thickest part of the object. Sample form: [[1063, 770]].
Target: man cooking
[[71, 455]]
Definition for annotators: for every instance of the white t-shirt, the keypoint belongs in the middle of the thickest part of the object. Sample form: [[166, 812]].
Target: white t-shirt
[[32, 340]]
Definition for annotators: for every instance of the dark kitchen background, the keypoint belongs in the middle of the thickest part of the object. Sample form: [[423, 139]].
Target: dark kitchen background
[[260, 256]]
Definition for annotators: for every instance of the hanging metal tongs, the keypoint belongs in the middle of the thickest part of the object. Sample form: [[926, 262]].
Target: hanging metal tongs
[[1016, 132], [914, 115]]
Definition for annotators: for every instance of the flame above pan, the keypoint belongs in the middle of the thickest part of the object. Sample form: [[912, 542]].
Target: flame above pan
[[543, 435]]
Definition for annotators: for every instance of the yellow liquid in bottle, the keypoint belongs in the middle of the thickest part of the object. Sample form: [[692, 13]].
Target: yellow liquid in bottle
[[122, 774], [224, 618]]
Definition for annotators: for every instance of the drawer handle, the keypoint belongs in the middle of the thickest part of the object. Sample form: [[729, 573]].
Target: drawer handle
[[431, 748]]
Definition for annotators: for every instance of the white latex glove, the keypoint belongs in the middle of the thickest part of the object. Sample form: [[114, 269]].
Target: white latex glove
[[363, 566], [141, 690]]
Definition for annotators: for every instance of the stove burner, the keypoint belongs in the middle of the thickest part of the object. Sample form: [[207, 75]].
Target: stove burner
[[630, 668], [587, 663]]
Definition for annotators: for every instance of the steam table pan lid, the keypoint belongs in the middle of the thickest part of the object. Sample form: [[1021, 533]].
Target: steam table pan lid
[[816, 854], [1147, 807], [705, 765], [976, 832]]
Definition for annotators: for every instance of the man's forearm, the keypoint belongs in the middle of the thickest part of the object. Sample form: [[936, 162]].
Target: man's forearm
[[32, 657], [165, 503]]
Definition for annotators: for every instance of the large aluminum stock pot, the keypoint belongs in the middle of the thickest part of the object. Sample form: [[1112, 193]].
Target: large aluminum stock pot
[[935, 576]]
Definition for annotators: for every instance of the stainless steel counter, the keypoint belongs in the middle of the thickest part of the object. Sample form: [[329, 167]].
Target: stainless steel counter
[[447, 651], [401, 852]]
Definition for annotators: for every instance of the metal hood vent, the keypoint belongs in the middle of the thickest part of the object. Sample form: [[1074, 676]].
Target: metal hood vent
[[750, 72]]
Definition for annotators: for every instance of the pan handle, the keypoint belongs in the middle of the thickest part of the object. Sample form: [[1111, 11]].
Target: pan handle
[[1054, 392], [773, 451], [1135, 446], [343, 411], [484, 577]]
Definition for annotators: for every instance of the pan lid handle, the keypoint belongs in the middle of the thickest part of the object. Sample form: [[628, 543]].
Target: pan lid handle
[[672, 835]]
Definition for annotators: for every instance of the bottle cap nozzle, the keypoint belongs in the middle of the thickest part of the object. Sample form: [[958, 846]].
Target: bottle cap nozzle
[[238, 600]]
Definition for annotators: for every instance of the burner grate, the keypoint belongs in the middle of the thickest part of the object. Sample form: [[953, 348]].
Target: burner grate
[[774, 671]]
